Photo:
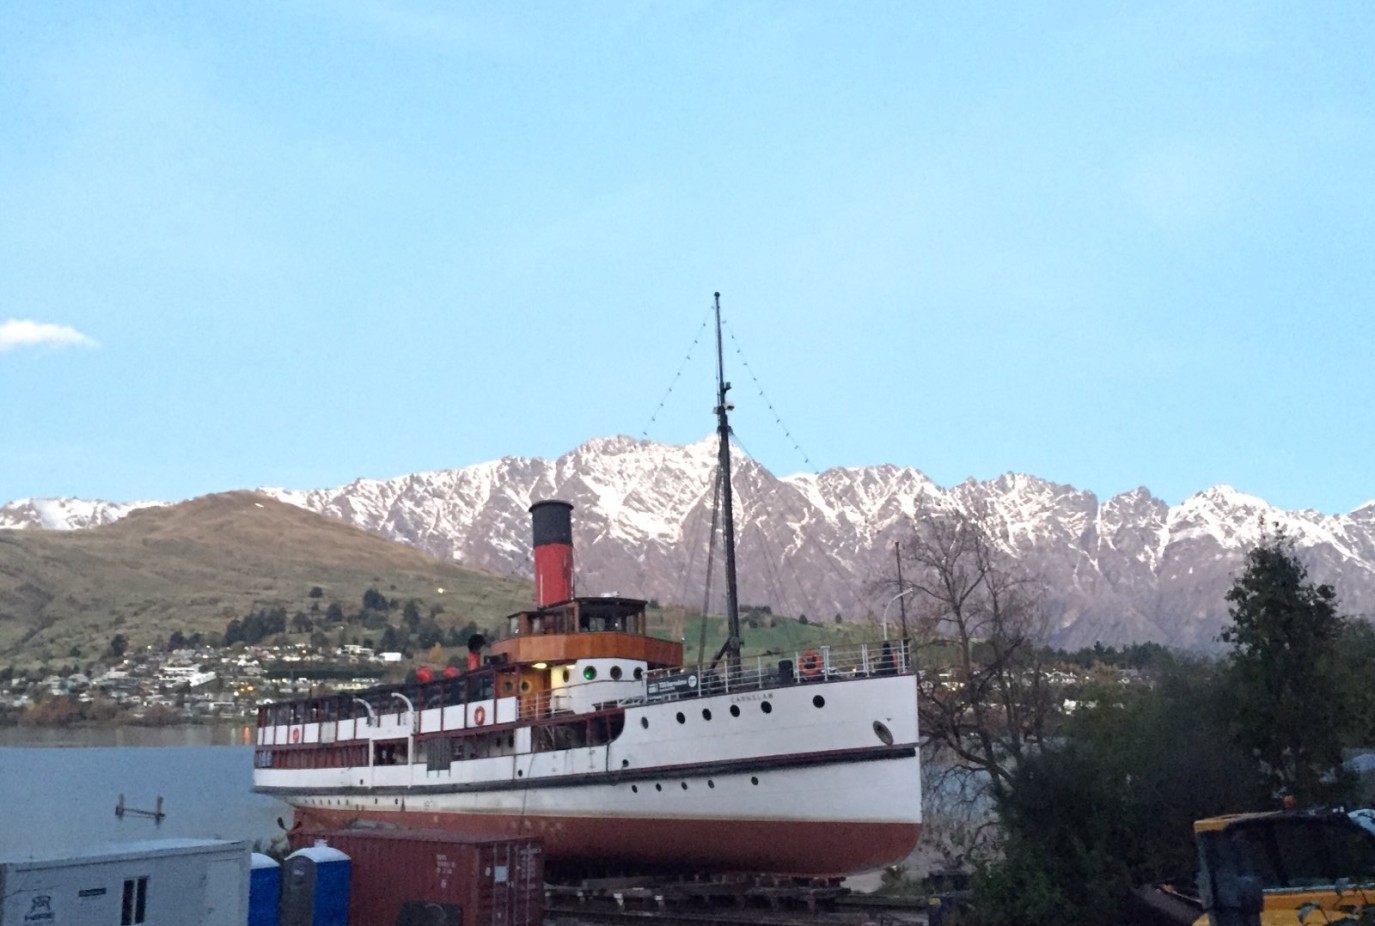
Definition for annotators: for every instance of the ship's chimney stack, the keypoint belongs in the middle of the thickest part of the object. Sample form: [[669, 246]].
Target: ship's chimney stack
[[553, 529]]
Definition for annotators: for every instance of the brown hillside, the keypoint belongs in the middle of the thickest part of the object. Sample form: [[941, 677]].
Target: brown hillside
[[196, 565]]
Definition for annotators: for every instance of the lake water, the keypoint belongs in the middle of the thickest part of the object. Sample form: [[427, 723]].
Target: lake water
[[58, 788]]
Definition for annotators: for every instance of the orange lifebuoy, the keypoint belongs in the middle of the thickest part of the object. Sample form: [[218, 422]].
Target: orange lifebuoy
[[480, 715], [810, 663], [296, 735]]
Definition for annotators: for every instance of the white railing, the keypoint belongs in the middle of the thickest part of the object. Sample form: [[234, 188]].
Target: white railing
[[813, 665]]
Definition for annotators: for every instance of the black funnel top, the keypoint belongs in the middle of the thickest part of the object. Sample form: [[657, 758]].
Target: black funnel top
[[553, 522]]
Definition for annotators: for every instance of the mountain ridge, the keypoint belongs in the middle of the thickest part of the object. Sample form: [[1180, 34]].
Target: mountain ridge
[[1129, 568]]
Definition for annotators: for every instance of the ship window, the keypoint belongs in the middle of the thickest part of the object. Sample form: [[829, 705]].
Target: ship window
[[818, 701], [754, 780], [616, 672], [681, 718], [766, 707], [453, 690], [507, 686], [735, 710], [524, 685], [644, 722], [706, 713], [658, 787], [639, 673], [439, 753], [710, 783], [684, 784], [634, 789], [589, 673], [567, 673]]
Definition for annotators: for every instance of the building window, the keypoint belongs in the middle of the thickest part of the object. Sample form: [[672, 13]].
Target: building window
[[135, 906]]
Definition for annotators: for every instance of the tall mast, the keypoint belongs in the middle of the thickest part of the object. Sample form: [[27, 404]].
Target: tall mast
[[731, 650]]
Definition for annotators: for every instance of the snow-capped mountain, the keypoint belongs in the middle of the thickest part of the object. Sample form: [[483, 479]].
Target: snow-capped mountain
[[65, 513], [1130, 568]]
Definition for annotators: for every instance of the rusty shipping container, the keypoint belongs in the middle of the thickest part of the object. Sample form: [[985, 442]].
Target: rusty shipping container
[[433, 877]]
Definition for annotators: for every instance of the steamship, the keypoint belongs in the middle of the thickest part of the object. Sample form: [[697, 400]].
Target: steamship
[[579, 727]]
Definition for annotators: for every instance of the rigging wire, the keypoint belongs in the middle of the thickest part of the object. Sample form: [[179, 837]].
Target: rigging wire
[[773, 578], [692, 535], [711, 560], [777, 416], [778, 419], [644, 432]]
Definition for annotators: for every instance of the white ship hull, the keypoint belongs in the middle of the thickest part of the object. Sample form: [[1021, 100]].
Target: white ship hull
[[817, 777]]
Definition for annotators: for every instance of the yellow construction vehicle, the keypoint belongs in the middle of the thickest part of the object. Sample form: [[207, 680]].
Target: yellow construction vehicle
[[1283, 868]]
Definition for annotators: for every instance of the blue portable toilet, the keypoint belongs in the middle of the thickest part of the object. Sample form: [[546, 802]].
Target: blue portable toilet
[[315, 887], [264, 890]]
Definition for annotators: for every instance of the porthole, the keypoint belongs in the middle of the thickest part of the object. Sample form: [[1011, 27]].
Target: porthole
[[658, 787], [508, 686], [766, 706], [706, 713], [710, 783], [589, 673], [625, 763], [634, 789], [639, 673], [883, 733], [735, 710], [520, 773], [616, 673], [524, 685], [567, 673], [681, 718], [684, 784], [754, 780], [644, 722], [818, 701]]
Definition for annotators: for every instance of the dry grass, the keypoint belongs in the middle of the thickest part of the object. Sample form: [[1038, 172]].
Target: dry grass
[[194, 566]]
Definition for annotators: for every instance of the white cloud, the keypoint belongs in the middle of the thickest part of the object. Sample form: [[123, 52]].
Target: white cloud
[[17, 332]]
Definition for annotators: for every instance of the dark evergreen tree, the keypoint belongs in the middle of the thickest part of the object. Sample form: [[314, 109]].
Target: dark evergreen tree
[[1283, 669], [428, 634], [119, 644], [373, 600], [334, 613]]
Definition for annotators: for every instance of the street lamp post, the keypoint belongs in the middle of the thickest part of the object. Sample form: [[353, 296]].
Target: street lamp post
[[889, 605]]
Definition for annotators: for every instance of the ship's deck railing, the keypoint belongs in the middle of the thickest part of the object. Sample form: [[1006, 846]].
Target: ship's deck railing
[[810, 666]]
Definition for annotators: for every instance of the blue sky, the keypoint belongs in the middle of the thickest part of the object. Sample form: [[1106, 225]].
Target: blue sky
[[295, 243]]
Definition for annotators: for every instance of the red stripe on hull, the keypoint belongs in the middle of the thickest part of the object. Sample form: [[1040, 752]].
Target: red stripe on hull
[[792, 847]]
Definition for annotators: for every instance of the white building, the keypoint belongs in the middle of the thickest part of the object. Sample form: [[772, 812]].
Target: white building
[[181, 881]]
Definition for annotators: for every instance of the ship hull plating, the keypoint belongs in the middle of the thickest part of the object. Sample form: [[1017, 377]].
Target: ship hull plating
[[813, 779]]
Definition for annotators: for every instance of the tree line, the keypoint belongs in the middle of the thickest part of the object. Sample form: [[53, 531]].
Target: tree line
[[1064, 812], [379, 622]]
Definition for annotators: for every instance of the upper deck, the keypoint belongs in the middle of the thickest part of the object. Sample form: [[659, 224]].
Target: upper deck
[[585, 628]]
